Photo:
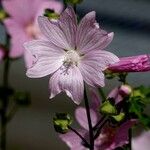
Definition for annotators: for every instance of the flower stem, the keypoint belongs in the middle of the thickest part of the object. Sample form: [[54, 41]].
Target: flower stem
[[82, 138], [4, 105], [91, 136], [130, 139], [100, 128], [98, 123], [103, 96]]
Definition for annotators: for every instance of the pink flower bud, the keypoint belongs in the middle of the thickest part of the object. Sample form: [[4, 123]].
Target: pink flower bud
[[138, 63], [125, 90]]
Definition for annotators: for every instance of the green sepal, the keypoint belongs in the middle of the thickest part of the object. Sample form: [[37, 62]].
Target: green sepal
[[51, 14], [61, 122], [108, 109], [119, 118], [74, 2]]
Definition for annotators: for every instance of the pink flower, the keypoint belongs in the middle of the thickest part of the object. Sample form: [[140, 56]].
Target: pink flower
[[132, 64], [22, 23], [110, 137], [72, 53], [142, 142]]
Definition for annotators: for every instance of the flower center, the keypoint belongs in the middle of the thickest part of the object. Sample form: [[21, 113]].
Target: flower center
[[71, 58], [33, 31]]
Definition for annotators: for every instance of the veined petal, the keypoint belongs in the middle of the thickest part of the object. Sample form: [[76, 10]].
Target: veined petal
[[73, 141], [68, 80], [49, 58], [63, 32], [81, 117], [90, 36], [92, 65], [68, 25], [92, 76]]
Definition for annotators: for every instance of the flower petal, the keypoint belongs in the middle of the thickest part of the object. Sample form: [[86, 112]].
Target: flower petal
[[141, 142], [90, 36], [93, 63], [61, 33], [49, 58], [18, 37], [73, 141], [69, 81], [81, 117], [22, 11], [121, 137]]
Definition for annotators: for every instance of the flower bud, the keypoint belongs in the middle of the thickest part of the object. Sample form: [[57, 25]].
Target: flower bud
[[61, 122], [3, 15], [125, 90], [108, 109], [119, 117], [74, 1], [51, 14]]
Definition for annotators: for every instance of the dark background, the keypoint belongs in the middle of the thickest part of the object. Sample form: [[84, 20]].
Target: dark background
[[31, 128]]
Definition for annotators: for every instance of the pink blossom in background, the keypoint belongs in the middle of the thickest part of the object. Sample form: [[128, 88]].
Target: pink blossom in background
[[22, 23], [142, 142], [138, 63], [110, 137], [72, 53]]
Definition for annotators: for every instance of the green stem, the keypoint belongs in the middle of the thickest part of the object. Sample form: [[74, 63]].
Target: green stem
[[103, 96], [91, 136]]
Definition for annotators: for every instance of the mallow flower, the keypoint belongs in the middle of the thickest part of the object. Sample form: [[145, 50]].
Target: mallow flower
[[22, 21], [109, 138], [71, 53], [138, 63]]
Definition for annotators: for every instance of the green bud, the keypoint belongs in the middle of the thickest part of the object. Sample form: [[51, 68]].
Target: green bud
[[119, 117], [3, 15], [108, 109], [74, 1], [51, 14], [61, 122]]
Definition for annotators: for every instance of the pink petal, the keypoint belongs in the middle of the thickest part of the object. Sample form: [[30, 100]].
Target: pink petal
[[141, 142], [138, 63], [61, 33], [21, 10], [73, 141], [49, 58], [69, 80], [90, 36], [68, 24], [81, 117], [95, 99], [18, 38], [92, 65], [121, 137], [115, 95]]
